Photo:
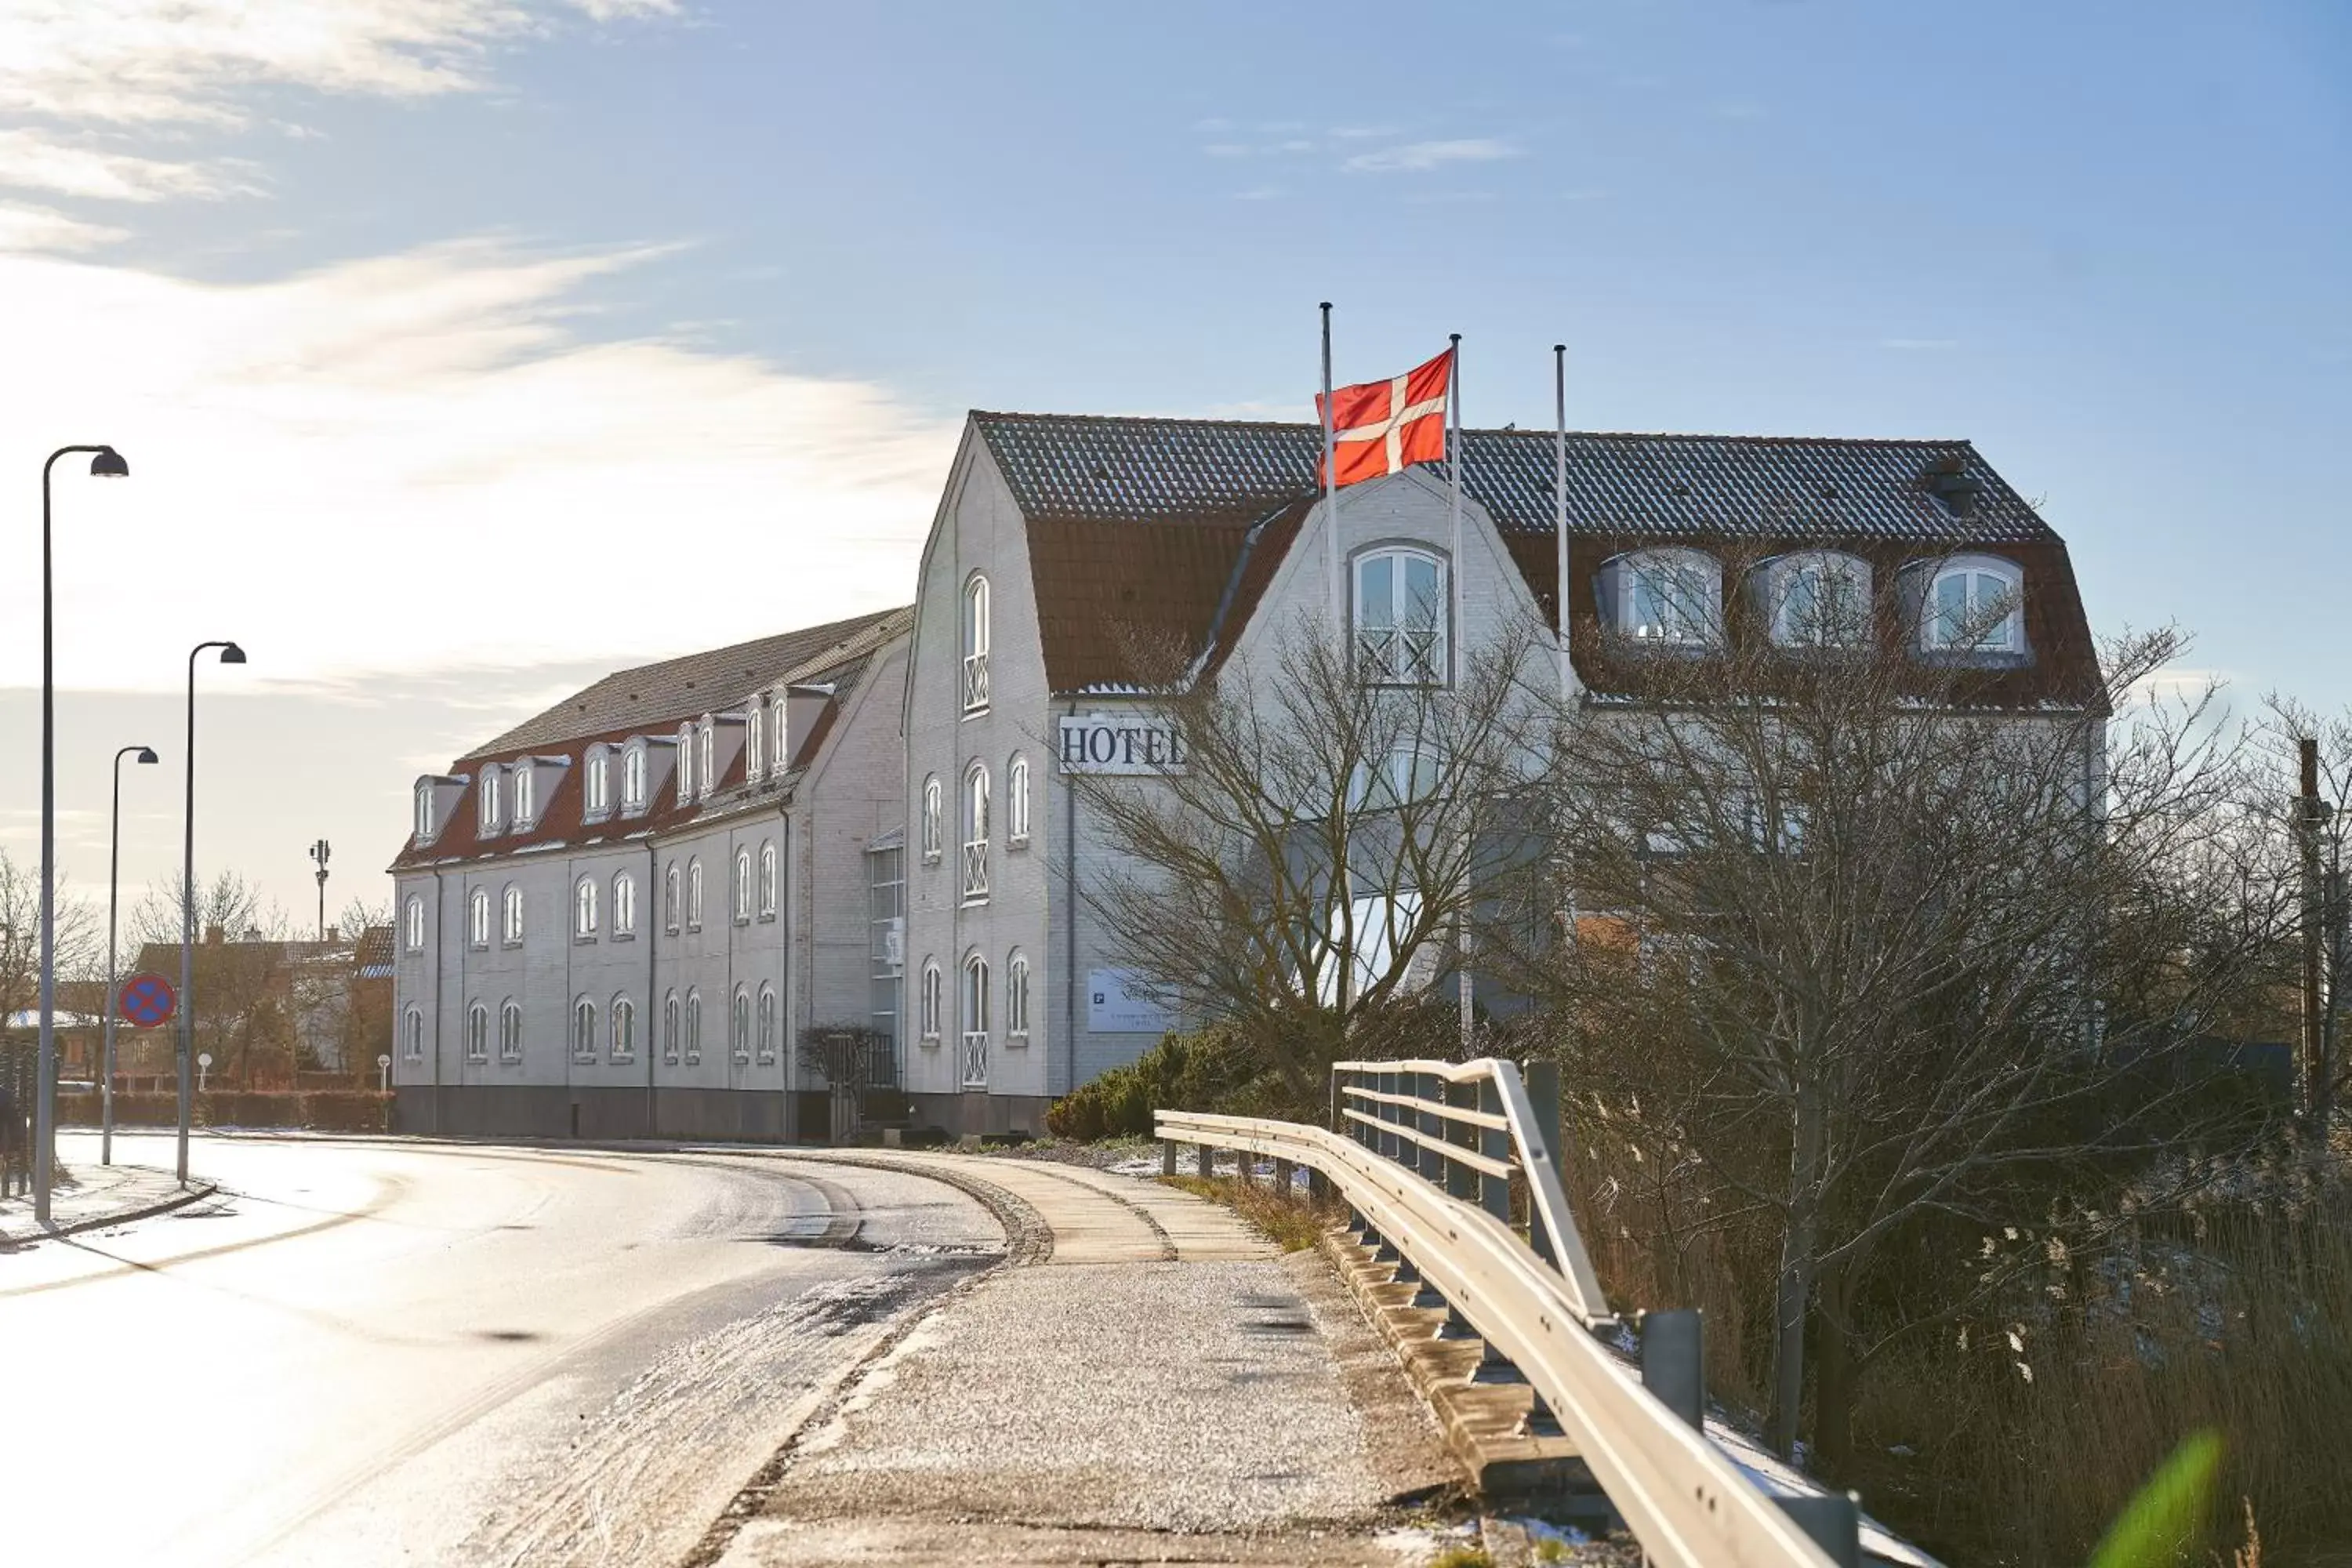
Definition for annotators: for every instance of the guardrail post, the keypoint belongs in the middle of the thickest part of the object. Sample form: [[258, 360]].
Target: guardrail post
[[1390, 1142], [1167, 1156], [1339, 1101], [1432, 1163], [1286, 1180], [1674, 1363], [1208, 1161], [1543, 1096], [1461, 1181], [1833, 1522], [1494, 1192]]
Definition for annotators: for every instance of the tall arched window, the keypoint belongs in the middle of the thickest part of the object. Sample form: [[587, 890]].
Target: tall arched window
[[598, 786], [694, 895], [931, 834], [511, 1031], [1400, 617], [669, 1028], [1975, 605], [490, 799], [669, 897], [929, 1010], [1818, 598], [583, 908], [693, 1028], [1017, 802], [975, 834], [583, 1030], [477, 1033], [707, 767], [767, 881], [512, 914], [632, 777], [1017, 999], [624, 904], [975, 645], [755, 762], [412, 1034], [739, 1036], [525, 805], [742, 884], [412, 920], [767, 1023], [624, 1029], [424, 819], [478, 917], [975, 1021], [684, 763]]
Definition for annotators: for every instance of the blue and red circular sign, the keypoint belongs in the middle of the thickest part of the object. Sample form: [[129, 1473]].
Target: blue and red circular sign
[[148, 999]]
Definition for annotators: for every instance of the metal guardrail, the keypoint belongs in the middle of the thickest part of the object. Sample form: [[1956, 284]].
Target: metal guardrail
[[1424, 1155]]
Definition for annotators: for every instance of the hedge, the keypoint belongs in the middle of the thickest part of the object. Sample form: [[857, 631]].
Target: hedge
[[325, 1110]]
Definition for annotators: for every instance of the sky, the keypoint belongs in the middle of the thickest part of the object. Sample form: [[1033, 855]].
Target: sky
[[463, 350]]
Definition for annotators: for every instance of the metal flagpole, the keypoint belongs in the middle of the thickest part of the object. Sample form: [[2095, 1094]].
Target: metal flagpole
[[1560, 500], [1465, 985], [1331, 498]]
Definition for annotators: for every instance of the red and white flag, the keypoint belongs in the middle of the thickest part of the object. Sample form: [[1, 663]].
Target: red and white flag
[[1380, 427]]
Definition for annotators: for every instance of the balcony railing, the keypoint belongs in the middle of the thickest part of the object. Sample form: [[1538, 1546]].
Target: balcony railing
[[975, 1058], [975, 872], [975, 682]]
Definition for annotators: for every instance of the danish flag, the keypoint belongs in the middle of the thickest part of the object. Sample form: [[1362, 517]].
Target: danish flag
[[1380, 426]]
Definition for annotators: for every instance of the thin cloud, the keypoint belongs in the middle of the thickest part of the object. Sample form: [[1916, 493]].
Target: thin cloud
[[45, 228], [36, 161], [1417, 157]]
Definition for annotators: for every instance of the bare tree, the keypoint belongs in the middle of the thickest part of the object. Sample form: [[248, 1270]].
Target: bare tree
[[1850, 939], [1310, 869], [81, 936], [243, 1008]]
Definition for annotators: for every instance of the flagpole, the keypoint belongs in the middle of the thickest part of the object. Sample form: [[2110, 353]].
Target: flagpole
[[1466, 986], [1560, 500], [1331, 500]]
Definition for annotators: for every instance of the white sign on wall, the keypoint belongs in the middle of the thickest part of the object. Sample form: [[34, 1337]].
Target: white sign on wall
[[1121, 744], [1117, 1003]]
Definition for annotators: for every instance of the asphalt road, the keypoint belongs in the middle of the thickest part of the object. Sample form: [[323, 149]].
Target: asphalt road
[[377, 1352]]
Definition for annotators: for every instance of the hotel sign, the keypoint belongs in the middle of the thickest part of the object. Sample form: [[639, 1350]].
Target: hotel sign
[[1121, 744]]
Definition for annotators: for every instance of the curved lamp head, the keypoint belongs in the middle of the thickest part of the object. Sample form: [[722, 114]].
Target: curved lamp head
[[146, 755], [108, 465], [232, 654]]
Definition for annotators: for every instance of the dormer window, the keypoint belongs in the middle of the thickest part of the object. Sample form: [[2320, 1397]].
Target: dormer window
[[488, 806], [632, 778], [1664, 598], [423, 820], [1818, 598], [1400, 617], [684, 763], [1974, 604], [755, 765], [526, 806], [599, 786], [708, 767]]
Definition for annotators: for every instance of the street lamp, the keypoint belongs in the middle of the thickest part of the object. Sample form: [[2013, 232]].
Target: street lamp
[[229, 654], [106, 463], [113, 995]]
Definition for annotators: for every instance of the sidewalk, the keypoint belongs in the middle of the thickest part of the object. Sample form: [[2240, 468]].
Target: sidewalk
[[89, 1195], [1162, 1385]]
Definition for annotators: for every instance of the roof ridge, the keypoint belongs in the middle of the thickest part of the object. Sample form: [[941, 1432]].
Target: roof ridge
[[1529, 432]]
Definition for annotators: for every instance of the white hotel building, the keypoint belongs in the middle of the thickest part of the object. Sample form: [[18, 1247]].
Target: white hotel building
[[1055, 539]]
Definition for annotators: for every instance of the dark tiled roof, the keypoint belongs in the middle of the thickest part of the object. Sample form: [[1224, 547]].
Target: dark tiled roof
[[653, 697], [1080, 468], [373, 951]]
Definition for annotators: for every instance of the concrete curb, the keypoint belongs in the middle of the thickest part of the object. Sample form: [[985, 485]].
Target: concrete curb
[[121, 1216]]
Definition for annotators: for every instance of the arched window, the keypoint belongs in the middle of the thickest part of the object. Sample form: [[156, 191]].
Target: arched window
[[490, 799], [693, 1028], [767, 881], [412, 1034], [929, 1010], [478, 917], [512, 914], [412, 918], [975, 1021], [525, 807], [583, 908], [669, 897], [624, 904], [755, 763], [632, 778], [975, 834], [738, 1039], [742, 884], [583, 1030], [624, 1029], [477, 1033], [1818, 598], [423, 820], [1400, 617], [707, 768], [511, 1031], [684, 763], [1016, 801], [975, 645], [598, 796], [1016, 998], [767, 1023], [1670, 598], [694, 895], [1975, 605], [931, 835], [669, 1028]]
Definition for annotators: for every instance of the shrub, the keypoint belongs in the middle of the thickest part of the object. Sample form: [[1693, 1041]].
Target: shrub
[[1183, 1072]]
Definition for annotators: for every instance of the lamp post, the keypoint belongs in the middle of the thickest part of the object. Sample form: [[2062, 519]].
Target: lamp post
[[105, 463], [229, 654], [114, 996], [319, 853]]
